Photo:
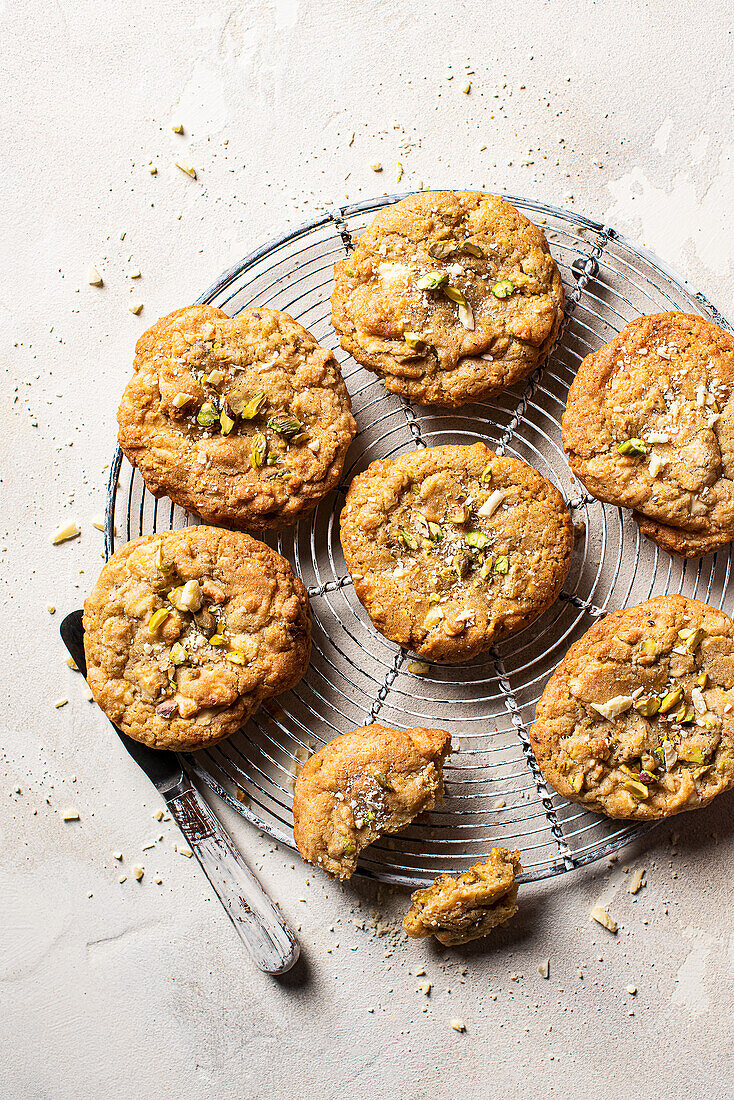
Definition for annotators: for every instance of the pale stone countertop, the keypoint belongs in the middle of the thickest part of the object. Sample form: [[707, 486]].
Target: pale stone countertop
[[620, 110]]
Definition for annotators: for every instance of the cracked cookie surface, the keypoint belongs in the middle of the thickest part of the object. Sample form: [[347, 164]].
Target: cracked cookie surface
[[245, 420], [187, 632], [361, 785], [649, 425], [453, 548], [457, 909], [450, 296], [638, 719]]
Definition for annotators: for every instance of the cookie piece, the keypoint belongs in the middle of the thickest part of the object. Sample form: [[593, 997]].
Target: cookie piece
[[364, 784], [453, 548], [649, 424], [457, 910], [187, 632], [244, 420], [638, 719], [685, 544], [450, 296]]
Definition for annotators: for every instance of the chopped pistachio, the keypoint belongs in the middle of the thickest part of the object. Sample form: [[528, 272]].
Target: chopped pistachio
[[647, 707], [236, 657], [435, 531], [639, 790], [478, 539], [259, 450], [414, 341], [349, 848], [286, 426], [702, 680], [670, 700], [472, 248], [408, 540], [243, 405], [157, 619], [503, 289], [650, 646], [692, 755], [217, 639], [64, 533], [136, 308], [182, 399], [455, 295], [161, 565], [418, 668], [226, 421], [177, 128], [691, 637], [636, 882], [460, 514], [486, 569], [632, 447], [486, 475], [433, 280], [94, 278], [502, 564], [382, 781], [613, 707], [186, 168], [214, 377], [179, 656], [441, 250], [208, 415], [72, 664]]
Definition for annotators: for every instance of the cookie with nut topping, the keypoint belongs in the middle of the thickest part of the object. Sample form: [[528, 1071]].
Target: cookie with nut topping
[[649, 425], [453, 548], [450, 296], [187, 632], [362, 785], [465, 907], [638, 719], [243, 420]]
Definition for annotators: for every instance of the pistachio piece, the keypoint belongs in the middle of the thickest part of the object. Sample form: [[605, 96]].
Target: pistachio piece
[[243, 405], [236, 657], [432, 280], [639, 790], [692, 638], [286, 426], [486, 475], [205, 621], [486, 569], [702, 680], [650, 646], [472, 248], [218, 638], [187, 597], [418, 668], [226, 420], [382, 781], [600, 915], [576, 782], [503, 289], [349, 848], [502, 564], [259, 450], [182, 399], [157, 619], [632, 447], [460, 514], [178, 654], [208, 415], [647, 707], [455, 295], [692, 755], [167, 708], [670, 700], [408, 540], [435, 531], [441, 250], [214, 377], [415, 341], [478, 539], [161, 565], [422, 524]]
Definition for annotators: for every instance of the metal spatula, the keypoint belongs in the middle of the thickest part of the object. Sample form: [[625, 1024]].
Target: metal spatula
[[265, 933]]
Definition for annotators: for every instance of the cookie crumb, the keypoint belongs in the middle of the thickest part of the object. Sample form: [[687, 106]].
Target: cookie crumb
[[64, 532], [60, 703], [70, 814], [94, 278], [632, 990], [136, 308], [138, 872], [544, 968], [600, 915], [424, 987], [457, 1024], [637, 881], [376, 166], [187, 169], [177, 128]]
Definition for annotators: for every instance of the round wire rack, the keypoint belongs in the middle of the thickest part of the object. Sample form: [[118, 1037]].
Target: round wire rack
[[495, 792]]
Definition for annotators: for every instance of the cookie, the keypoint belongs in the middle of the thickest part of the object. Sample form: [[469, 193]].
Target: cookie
[[638, 719], [364, 784], [450, 296], [453, 548], [457, 910], [244, 420], [649, 425], [685, 544], [187, 632]]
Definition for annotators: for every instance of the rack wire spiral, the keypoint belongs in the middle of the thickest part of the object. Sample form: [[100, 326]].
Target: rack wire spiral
[[495, 793]]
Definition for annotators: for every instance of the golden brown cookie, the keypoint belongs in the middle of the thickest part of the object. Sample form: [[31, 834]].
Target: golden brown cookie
[[187, 632], [244, 420], [450, 296], [364, 784], [685, 544], [453, 548], [649, 425], [457, 910], [638, 719]]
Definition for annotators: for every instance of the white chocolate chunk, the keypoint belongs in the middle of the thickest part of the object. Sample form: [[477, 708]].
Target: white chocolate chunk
[[618, 705], [492, 503]]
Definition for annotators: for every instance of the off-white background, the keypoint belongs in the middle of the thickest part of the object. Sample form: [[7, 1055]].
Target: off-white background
[[620, 109]]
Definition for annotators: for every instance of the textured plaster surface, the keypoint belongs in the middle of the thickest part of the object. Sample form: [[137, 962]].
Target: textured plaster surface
[[621, 110]]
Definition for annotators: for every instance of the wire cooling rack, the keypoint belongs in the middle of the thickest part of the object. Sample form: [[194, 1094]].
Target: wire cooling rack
[[495, 793]]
